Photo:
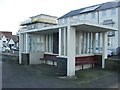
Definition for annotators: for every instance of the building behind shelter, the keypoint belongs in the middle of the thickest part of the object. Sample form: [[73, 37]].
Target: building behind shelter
[[7, 40], [105, 14]]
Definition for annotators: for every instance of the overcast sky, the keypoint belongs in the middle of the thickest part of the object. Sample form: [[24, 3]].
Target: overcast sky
[[12, 12]]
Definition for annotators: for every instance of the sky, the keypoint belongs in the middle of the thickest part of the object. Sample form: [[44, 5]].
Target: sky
[[12, 12]]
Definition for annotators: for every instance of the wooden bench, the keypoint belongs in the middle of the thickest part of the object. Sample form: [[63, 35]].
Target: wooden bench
[[85, 60], [49, 57]]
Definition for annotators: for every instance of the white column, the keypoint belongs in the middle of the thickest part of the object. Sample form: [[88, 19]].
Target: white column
[[94, 42], [60, 43], [50, 43], [104, 49], [70, 50], [27, 43], [65, 42], [84, 44], [43, 42], [90, 41], [98, 42], [80, 41], [46, 44]]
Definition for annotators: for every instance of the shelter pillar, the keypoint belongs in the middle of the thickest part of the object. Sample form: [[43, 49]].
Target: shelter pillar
[[27, 43], [86, 50], [80, 41], [46, 37], [60, 43], [84, 42], [65, 42], [98, 42], [70, 50], [91, 43], [104, 49]]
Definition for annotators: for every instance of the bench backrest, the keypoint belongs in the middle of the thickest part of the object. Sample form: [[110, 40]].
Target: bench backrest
[[86, 60], [50, 57]]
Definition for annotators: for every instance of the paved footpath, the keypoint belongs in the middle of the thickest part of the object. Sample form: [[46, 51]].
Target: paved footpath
[[18, 76]]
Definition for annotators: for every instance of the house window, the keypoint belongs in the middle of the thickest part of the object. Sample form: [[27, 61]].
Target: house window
[[104, 13], [93, 15], [113, 12]]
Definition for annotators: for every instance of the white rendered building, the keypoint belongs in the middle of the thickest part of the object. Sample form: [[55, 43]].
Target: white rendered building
[[105, 14]]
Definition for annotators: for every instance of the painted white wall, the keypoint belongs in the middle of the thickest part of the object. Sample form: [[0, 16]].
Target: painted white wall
[[41, 42], [35, 58], [89, 17], [114, 17]]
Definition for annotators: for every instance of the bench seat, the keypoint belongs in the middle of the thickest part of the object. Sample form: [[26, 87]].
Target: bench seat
[[49, 57], [85, 60]]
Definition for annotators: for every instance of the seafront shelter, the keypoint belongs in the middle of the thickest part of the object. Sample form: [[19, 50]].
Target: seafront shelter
[[74, 41]]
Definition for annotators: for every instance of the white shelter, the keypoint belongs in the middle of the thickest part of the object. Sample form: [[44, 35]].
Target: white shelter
[[68, 41]]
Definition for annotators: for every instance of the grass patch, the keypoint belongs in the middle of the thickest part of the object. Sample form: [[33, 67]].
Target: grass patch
[[44, 69], [49, 71], [90, 74], [82, 76], [112, 65]]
